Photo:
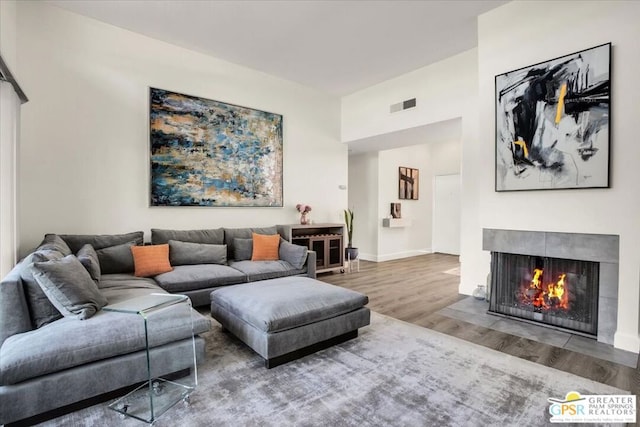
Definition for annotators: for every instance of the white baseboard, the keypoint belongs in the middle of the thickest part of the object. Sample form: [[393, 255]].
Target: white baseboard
[[367, 257], [396, 255], [627, 342]]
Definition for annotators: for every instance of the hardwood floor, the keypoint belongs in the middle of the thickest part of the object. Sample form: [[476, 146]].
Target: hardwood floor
[[415, 289]]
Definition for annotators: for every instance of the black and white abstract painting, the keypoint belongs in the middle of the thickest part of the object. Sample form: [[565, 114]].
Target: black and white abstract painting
[[552, 123]]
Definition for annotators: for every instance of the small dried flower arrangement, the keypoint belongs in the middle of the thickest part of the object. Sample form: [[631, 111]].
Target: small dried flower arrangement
[[303, 208]]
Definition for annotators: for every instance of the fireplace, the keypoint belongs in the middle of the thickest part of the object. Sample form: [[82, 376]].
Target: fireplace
[[561, 293], [536, 277]]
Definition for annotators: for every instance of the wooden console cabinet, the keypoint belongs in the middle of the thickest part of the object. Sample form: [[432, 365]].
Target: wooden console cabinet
[[327, 240]]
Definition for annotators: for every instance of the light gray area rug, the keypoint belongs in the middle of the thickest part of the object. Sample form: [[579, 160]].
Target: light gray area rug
[[393, 374]]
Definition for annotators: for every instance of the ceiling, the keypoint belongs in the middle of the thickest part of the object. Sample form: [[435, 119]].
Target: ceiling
[[338, 47]]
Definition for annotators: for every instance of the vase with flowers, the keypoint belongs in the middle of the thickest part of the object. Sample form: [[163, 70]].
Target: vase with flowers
[[304, 210]]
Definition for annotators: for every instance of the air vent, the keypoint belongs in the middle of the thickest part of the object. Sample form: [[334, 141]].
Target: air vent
[[404, 105]]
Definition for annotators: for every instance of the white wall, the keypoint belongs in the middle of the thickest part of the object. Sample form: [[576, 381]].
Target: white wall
[[441, 91], [8, 21], [363, 199], [85, 143], [507, 42], [9, 122], [9, 119], [447, 160], [446, 157], [446, 214]]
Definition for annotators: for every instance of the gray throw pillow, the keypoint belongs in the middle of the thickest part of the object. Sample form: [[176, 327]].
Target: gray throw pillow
[[53, 242], [295, 255], [116, 259], [100, 241], [69, 287], [210, 237], [40, 308], [231, 234], [187, 253], [88, 257], [242, 249]]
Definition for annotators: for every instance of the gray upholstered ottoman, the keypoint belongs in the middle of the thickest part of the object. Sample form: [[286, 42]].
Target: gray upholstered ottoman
[[287, 318]]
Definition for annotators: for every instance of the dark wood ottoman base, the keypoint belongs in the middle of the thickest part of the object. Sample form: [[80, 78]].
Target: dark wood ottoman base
[[297, 354]]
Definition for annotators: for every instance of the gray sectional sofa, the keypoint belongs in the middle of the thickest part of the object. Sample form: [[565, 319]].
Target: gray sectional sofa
[[197, 280], [49, 358]]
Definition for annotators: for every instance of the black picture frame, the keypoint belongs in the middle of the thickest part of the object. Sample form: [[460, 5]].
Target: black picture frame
[[552, 123]]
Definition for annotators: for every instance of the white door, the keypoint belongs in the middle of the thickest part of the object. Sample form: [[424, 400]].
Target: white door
[[446, 214]]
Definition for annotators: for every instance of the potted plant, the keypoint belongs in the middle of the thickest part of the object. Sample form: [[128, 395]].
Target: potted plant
[[350, 252]]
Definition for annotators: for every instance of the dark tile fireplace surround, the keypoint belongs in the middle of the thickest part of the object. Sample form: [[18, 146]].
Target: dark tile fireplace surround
[[600, 249]]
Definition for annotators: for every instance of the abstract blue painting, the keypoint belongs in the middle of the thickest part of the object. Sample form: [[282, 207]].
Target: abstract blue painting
[[210, 153], [552, 123]]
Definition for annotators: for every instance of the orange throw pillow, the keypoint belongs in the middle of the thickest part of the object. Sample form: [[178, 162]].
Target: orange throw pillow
[[265, 247], [151, 260]]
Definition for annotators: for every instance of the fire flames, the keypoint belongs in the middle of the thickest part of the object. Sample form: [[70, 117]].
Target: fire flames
[[545, 297]]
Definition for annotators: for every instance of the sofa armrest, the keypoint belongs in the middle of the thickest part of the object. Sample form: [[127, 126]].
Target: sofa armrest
[[311, 264], [14, 312]]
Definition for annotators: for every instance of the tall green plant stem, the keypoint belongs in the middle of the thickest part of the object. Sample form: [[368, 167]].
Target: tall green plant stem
[[348, 220]]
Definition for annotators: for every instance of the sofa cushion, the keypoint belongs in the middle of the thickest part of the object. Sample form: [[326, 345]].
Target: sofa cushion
[[192, 277], [53, 242], [119, 287], [68, 342], [151, 260], [296, 255], [116, 259], [99, 241], [262, 270], [242, 249], [265, 247], [187, 253], [243, 233], [289, 302], [88, 257], [42, 311], [211, 236], [69, 287]]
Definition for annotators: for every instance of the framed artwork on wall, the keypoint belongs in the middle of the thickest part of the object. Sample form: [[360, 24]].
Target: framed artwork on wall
[[210, 153], [552, 123], [396, 210], [408, 183]]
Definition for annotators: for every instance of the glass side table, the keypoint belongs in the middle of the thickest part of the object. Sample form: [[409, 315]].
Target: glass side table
[[157, 394]]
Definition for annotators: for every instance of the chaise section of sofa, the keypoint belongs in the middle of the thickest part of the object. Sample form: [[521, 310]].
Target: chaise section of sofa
[[64, 360]]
